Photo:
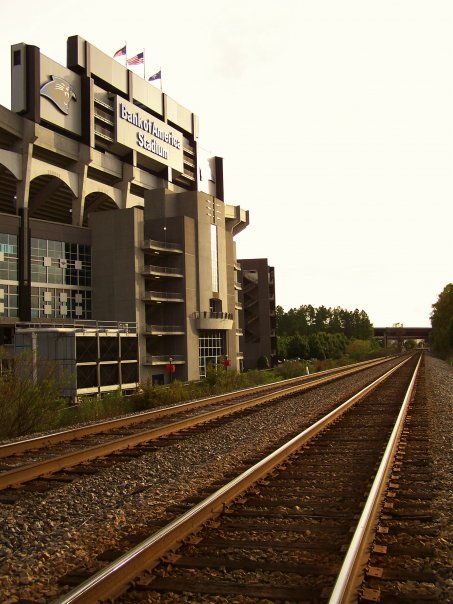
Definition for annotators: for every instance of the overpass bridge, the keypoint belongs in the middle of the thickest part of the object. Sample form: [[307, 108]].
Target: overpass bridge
[[400, 334]]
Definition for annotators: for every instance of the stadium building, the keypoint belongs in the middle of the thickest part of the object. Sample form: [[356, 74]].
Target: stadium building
[[117, 251]]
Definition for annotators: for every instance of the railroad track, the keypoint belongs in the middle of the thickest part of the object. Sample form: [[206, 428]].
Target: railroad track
[[60, 457], [400, 568], [279, 531]]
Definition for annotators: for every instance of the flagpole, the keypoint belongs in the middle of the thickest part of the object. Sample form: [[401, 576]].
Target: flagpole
[[144, 70], [160, 69], [125, 54]]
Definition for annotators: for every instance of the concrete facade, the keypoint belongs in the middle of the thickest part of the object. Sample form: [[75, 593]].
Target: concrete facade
[[110, 211]]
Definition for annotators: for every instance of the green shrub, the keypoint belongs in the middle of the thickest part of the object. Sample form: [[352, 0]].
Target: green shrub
[[93, 408], [30, 397], [292, 369]]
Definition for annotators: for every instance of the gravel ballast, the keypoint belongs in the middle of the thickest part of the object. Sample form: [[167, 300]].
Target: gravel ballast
[[46, 535]]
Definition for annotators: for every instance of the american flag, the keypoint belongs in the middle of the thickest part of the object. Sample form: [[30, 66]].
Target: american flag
[[120, 52], [137, 60], [156, 76]]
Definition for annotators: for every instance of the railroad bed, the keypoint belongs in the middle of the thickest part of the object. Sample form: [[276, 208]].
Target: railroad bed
[[284, 540], [60, 457], [50, 534], [403, 567]]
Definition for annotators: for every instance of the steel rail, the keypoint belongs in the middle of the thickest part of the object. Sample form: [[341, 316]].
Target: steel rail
[[42, 468], [110, 581], [348, 581], [40, 442]]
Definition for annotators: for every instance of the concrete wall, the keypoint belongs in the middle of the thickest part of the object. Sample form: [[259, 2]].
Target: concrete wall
[[116, 264]]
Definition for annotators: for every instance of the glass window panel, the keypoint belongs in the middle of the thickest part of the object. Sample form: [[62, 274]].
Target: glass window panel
[[39, 247], [56, 249], [55, 274]]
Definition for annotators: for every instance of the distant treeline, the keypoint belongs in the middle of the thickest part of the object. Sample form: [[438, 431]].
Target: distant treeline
[[306, 320], [323, 333]]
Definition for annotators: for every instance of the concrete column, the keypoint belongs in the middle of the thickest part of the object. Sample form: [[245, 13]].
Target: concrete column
[[23, 186], [24, 267], [78, 205], [22, 199], [125, 184]]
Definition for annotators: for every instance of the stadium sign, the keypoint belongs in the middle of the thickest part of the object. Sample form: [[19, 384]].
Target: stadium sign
[[137, 129]]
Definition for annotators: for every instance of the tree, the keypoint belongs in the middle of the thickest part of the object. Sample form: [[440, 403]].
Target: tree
[[363, 326], [338, 343], [322, 318], [442, 323], [335, 324], [282, 347], [307, 320], [298, 347], [317, 349]]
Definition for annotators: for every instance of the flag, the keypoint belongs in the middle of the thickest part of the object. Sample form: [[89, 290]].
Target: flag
[[120, 52], [137, 60], [156, 76]]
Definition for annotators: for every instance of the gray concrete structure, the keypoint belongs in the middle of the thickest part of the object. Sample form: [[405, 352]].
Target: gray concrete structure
[[259, 322], [400, 334], [110, 211], [88, 358]]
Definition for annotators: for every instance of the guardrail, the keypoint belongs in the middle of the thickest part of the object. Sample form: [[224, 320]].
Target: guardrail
[[81, 325], [164, 359], [164, 329], [161, 245], [163, 296], [208, 314], [166, 270]]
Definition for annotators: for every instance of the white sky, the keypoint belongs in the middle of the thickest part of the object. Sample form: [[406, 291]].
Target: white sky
[[335, 121]]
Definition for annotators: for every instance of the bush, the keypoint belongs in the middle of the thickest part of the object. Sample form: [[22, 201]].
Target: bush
[[150, 396], [292, 369], [93, 408], [30, 397], [361, 350], [28, 404], [218, 380]]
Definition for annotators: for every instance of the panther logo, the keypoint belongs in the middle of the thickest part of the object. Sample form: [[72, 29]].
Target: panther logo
[[60, 92]]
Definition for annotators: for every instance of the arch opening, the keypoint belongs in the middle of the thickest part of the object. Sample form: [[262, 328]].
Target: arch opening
[[97, 202], [8, 188], [50, 199]]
